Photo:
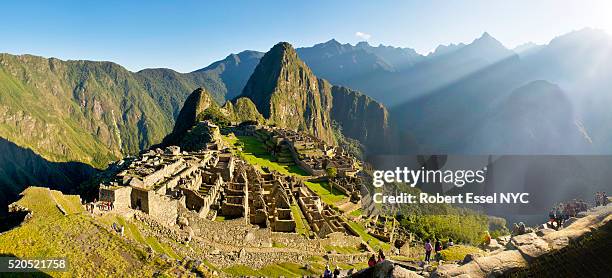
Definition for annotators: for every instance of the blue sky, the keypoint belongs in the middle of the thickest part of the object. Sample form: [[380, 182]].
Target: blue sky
[[187, 35]]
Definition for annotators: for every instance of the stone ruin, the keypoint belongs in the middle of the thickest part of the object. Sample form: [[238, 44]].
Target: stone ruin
[[322, 219], [308, 152], [213, 182]]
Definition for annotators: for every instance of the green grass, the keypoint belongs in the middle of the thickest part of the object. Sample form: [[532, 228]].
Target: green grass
[[71, 204], [274, 270], [317, 265], [301, 225], [254, 152], [161, 248], [373, 242], [356, 213], [322, 189], [84, 241], [343, 249], [458, 252], [278, 245]]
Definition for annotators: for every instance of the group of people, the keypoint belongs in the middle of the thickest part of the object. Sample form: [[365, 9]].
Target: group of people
[[104, 206], [563, 211], [601, 199], [329, 274], [373, 261], [437, 247], [118, 228]]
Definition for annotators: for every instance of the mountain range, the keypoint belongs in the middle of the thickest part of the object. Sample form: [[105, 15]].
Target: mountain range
[[467, 98]]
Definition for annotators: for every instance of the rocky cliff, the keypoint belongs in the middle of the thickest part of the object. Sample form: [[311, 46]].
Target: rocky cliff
[[361, 118], [289, 95], [197, 102]]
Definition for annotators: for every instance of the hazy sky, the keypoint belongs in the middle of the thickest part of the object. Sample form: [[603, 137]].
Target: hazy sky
[[187, 35]]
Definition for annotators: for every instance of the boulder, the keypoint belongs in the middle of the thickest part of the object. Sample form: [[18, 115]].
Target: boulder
[[386, 269], [544, 231], [400, 272], [470, 257], [523, 239], [495, 265]]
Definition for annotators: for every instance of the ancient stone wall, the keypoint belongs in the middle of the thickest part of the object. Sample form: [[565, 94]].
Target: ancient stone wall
[[122, 197], [140, 199], [163, 208]]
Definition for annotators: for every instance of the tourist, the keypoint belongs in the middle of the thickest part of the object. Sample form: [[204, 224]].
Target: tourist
[[487, 236], [337, 272], [438, 246], [522, 229], [604, 199], [428, 249], [597, 198], [372, 261], [327, 273], [381, 256], [559, 216], [551, 216], [450, 242]]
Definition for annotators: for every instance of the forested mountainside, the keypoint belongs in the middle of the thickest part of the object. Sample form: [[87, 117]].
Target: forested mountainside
[[287, 93], [92, 113]]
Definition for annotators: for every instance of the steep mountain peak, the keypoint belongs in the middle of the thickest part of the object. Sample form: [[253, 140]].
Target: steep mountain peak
[[332, 42], [198, 101], [487, 40], [288, 94]]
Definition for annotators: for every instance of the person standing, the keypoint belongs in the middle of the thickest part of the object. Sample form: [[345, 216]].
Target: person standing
[[337, 272], [428, 249], [381, 256], [327, 273], [372, 261]]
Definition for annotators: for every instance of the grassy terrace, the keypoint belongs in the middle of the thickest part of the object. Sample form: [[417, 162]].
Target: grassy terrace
[[254, 152], [301, 225], [372, 241], [84, 241], [317, 266]]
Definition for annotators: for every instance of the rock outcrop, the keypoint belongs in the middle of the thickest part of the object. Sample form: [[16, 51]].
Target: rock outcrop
[[580, 250], [195, 104], [386, 269], [289, 95], [243, 110], [361, 118]]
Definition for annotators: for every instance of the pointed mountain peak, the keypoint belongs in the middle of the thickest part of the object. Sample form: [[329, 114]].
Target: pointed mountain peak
[[332, 42], [280, 52], [287, 93], [282, 47], [487, 38], [488, 47], [198, 101], [486, 35]]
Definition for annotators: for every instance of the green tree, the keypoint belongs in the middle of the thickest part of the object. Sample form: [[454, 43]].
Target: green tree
[[332, 172]]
